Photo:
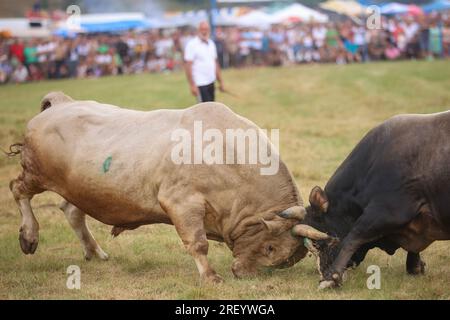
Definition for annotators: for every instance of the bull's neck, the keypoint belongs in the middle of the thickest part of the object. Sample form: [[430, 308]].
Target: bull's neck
[[267, 198]]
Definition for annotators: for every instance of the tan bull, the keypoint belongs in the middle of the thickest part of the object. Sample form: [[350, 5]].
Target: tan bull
[[116, 165]]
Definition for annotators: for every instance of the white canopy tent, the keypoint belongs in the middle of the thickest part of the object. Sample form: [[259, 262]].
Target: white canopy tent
[[350, 8], [299, 12], [256, 18], [225, 17], [20, 27]]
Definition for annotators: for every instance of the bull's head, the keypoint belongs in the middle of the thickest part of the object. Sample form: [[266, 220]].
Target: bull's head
[[324, 246], [276, 242]]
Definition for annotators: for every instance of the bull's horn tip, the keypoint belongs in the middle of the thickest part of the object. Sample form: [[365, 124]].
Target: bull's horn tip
[[293, 233], [283, 214], [308, 231], [296, 212]]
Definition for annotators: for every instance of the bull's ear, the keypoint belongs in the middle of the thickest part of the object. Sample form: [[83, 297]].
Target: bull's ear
[[45, 104], [275, 227], [318, 199]]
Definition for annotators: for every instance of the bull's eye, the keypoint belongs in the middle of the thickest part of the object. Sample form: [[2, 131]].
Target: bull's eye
[[270, 249]]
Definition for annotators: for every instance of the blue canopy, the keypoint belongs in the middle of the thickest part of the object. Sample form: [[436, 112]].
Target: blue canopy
[[437, 5], [367, 3], [113, 26], [65, 33], [394, 8], [104, 22]]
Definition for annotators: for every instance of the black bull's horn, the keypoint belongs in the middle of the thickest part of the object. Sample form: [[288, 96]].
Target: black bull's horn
[[302, 230]]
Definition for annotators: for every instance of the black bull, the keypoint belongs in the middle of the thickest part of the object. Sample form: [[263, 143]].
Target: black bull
[[392, 191]]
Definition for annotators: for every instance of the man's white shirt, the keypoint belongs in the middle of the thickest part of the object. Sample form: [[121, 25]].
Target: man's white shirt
[[203, 57]]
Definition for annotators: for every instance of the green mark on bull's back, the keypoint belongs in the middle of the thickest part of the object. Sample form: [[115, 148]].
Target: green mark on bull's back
[[107, 164]]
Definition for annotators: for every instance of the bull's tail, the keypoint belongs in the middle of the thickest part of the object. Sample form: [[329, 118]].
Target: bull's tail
[[14, 150]]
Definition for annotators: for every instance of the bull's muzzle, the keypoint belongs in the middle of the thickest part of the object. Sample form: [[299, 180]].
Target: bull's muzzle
[[242, 270], [298, 255]]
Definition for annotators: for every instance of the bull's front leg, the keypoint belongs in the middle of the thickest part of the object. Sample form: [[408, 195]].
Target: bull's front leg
[[414, 264], [377, 220], [187, 215], [77, 220], [332, 276], [23, 190]]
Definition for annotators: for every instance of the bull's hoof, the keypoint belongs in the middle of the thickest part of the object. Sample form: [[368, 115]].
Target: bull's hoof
[[334, 282], [102, 255], [27, 246], [216, 279], [98, 252], [327, 284], [419, 269], [213, 278]]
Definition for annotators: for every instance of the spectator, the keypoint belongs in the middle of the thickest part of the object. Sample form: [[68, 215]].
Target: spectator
[[30, 53], [60, 58], [435, 37], [391, 52], [17, 51], [202, 67], [5, 65], [446, 38], [73, 58], [377, 45], [20, 74]]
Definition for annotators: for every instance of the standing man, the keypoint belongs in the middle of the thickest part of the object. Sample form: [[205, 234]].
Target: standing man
[[202, 67]]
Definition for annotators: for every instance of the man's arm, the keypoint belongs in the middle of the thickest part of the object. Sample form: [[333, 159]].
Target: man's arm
[[188, 69]]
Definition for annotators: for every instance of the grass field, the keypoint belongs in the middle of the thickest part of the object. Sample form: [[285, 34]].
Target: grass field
[[321, 111]]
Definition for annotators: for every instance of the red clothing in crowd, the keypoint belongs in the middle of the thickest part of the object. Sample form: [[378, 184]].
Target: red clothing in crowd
[[16, 50]]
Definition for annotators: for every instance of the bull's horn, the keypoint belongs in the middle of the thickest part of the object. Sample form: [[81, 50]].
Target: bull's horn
[[304, 230], [295, 212]]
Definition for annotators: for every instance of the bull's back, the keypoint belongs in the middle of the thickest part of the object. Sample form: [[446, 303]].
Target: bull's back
[[100, 153], [408, 153]]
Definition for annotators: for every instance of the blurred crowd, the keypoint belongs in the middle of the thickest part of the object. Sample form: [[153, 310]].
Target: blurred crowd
[[95, 55]]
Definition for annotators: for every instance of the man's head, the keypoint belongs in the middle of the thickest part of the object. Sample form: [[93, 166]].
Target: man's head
[[204, 30]]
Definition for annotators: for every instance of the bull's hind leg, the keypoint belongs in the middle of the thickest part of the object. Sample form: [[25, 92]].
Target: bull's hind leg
[[187, 215], [23, 189], [77, 220], [414, 264]]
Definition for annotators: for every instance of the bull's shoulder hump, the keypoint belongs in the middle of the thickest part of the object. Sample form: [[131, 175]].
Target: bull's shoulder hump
[[215, 112], [412, 117], [403, 127], [210, 108], [404, 123]]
